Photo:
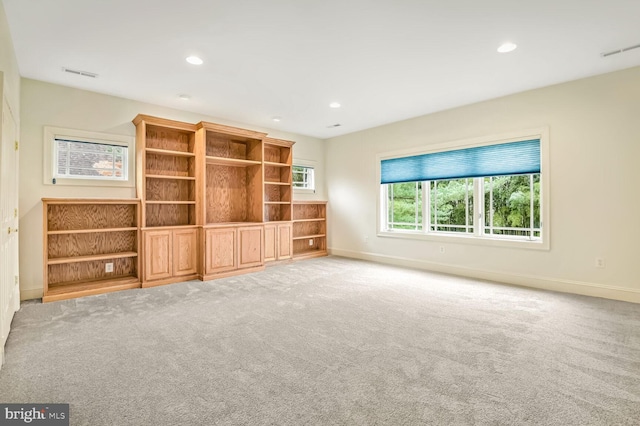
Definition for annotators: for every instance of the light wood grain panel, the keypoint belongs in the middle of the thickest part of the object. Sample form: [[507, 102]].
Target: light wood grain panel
[[163, 122], [277, 154], [168, 165], [302, 247], [69, 245], [89, 216], [277, 213], [277, 193], [300, 229], [284, 241], [226, 194], [270, 242], [185, 245], [250, 246], [158, 255], [220, 250], [170, 139], [86, 271], [170, 214], [170, 190], [309, 210], [255, 194]]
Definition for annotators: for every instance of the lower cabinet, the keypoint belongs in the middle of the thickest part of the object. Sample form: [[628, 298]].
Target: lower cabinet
[[277, 241], [232, 248], [220, 244], [170, 253]]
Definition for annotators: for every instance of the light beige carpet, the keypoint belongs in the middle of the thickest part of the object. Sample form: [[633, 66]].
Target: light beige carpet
[[330, 341]]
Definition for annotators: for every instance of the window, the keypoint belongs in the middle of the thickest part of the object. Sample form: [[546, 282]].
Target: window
[[90, 160], [303, 177], [486, 192], [76, 157]]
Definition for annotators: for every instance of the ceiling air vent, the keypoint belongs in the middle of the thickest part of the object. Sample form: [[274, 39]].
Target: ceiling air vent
[[82, 73], [624, 49]]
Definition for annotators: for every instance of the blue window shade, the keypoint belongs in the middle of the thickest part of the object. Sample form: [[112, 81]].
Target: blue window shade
[[511, 158]]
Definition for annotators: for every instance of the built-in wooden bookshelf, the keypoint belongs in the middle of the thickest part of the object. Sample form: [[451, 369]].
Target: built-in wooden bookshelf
[[91, 246], [278, 195], [231, 170], [309, 229], [166, 184]]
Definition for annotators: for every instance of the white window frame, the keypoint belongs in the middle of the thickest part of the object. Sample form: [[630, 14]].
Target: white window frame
[[543, 243], [50, 156], [310, 165]]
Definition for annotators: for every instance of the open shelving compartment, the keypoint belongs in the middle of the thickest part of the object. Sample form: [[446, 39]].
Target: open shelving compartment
[[309, 229], [91, 246]]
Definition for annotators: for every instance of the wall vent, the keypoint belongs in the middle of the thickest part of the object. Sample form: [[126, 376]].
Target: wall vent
[[82, 73], [624, 49]]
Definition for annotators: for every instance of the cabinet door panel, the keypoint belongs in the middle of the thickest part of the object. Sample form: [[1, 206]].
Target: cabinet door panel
[[184, 252], [284, 241], [270, 243], [158, 255], [250, 246], [220, 248]]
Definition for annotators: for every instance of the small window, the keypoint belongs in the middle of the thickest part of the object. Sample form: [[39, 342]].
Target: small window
[[78, 157], [90, 160], [303, 178]]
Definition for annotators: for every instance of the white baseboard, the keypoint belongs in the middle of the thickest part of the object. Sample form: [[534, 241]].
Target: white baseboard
[[544, 283], [31, 293]]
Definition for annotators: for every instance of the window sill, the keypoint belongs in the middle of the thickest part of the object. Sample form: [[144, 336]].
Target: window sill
[[91, 182], [466, 239]]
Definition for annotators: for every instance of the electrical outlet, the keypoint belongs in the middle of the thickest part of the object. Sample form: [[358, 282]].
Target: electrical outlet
[[366, 238], [311, 242], [442, 249], [599, 262], [108, 267]]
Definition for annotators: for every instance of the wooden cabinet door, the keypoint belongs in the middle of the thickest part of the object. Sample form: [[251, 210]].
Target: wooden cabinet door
[[184, 252], [270, 243], [220, 250], [250, 246], [284, 241], [157, 255]]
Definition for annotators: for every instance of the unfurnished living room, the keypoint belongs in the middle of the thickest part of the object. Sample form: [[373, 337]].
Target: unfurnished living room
[[319, 213]]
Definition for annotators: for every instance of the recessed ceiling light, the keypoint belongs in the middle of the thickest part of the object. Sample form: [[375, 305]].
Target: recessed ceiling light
[[507, 47], [276, 119], [334, 105], [194, 60], [184, 97]]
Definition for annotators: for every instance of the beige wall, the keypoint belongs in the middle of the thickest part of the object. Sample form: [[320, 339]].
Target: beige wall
[[45, 104], [594, 198], [8, 68]]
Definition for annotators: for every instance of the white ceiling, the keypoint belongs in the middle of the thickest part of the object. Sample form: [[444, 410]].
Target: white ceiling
[[383, 60]]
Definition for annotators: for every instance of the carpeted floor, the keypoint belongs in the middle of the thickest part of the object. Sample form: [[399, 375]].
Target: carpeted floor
[[330, 341]]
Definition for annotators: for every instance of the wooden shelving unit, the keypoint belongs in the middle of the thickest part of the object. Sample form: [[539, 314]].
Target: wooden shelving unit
[[82, 237], [278, 194], [166, 183], [309, 229], [230, 187]]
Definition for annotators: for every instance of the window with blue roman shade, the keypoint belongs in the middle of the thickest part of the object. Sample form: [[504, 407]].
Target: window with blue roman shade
[[512, 158]]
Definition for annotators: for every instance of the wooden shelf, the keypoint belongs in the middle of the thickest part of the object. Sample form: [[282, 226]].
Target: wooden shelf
[[169, 152], [234, 162], [320, 219], [170, 177], [70, 290], [269, 163], [305, 237], [278, 183], [309, 253], [92, 257], [277, 202], [170, 202], [91, 231]]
